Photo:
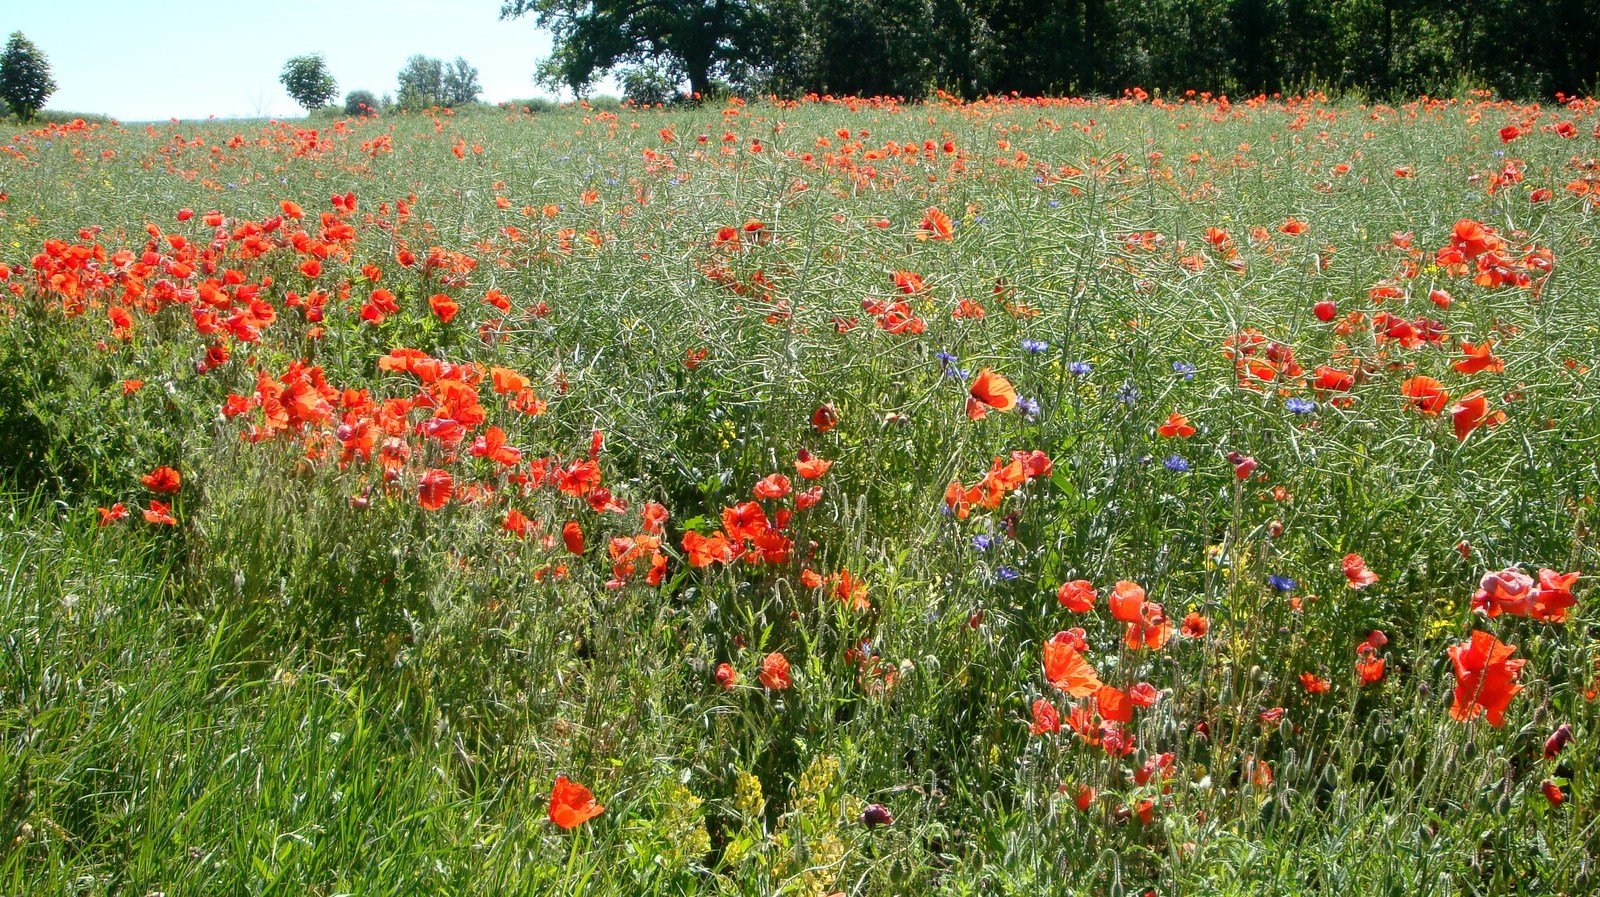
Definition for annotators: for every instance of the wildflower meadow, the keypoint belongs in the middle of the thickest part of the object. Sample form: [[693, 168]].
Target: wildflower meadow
[[1014, 497]]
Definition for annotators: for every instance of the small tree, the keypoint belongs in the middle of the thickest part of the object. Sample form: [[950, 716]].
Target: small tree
[[307, 80], [421, 83], [25, 81], [461, 83], [360, 103]]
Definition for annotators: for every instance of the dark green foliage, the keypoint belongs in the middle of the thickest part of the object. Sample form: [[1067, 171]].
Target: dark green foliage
[[361, 102], [974, 48], [461, 83], [649, 85], [25, 81], [308, 82], [426, 82], [699, 39]]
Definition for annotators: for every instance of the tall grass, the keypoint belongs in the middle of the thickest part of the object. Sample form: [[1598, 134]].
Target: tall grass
[[312, 682]]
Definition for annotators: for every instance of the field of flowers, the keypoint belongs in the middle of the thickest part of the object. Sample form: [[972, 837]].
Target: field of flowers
[[1023, 497]]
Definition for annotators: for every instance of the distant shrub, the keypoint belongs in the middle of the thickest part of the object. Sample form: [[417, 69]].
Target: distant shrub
[[361, 103], [535, 105], [649, 85]]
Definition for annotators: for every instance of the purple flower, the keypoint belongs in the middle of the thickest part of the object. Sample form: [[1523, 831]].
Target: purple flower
[[1176, 464], [1035, 346], [1080, 368], [1281, 583], [1300, 406]]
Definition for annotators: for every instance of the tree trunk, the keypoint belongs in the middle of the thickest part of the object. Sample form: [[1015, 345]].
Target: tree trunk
[[699, 80]]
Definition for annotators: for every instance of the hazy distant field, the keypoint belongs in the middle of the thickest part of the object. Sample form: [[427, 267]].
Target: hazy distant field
[[1021, 498]]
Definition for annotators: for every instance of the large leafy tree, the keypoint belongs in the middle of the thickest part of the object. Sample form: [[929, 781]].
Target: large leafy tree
[[307, 80], [697, 39], [25, 81], [421, 83], [461, 83]]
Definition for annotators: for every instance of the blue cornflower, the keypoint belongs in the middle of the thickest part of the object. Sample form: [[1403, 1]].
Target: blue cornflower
[[945, 358], [1006, 574], [1184, 368], [1035, 345], [1300, 406], [955, 373], [1281, 583], [1028, 407], [1080, 368], [1176, 464], [1128, 394], [982, 542]]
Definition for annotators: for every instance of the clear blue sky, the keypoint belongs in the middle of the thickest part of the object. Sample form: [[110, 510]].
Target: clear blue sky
[[141, 61]]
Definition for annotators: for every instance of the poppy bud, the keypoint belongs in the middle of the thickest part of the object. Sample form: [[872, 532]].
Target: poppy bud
[[1552, 793], [875, 815], [1325, 310], [825, 418], [1557, 741], [1275, 528]]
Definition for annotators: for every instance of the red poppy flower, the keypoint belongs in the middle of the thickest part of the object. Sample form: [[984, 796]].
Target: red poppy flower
[[1314, 684], [1113, 705], [1067, 670], [707, 550], [810, 466], [435, 488], [1425, 394], [444, 308], [1127, 601], [825, 418], [1046, 718], [1077, 596], [935, 225], [1330, 379], [1480, 358], [1486, 678], [775, 672], [572, 536], [571, 804], [1356, 574], [1471, 411], [162, 481], [1176, 427], [160, 513], [990, 390], [772, 486], [727, 676]]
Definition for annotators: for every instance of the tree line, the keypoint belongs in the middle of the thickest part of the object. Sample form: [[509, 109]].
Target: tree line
[[425, 83], [970, 48]]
